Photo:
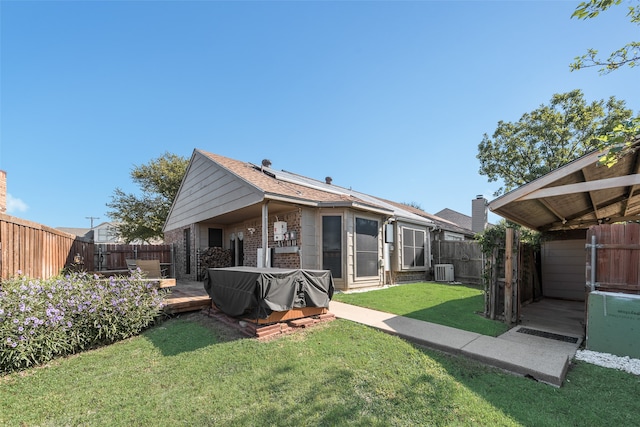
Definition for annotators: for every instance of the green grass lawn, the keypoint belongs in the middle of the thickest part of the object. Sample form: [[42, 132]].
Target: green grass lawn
[[192, 371], [450, 305]]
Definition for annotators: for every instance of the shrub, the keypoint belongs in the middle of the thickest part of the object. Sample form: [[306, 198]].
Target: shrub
[[43, 319]]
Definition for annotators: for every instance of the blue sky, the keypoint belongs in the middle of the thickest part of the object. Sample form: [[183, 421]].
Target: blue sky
[[389, 98]]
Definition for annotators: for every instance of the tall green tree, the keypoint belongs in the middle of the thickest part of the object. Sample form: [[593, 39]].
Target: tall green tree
[[142, 216], [623, 138], [628, 54], [546, 138]]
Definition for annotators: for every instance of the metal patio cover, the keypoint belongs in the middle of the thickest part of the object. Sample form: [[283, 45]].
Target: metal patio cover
[[576, 196]]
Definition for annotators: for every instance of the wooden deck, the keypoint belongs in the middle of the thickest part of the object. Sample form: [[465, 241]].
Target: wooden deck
[[187, 296]]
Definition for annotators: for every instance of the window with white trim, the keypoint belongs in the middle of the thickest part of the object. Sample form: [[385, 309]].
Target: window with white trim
[[453, 236], [413, 248]]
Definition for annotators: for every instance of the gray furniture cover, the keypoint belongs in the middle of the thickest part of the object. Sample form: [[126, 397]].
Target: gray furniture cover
[[257, 292]]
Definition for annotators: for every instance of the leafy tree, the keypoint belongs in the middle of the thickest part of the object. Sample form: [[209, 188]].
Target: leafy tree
[[622, 139], [415, 205], [143, 216], [629, 54], [546, 138]]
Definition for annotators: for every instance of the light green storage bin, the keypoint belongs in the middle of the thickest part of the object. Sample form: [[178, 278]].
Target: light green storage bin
[[613, 323]]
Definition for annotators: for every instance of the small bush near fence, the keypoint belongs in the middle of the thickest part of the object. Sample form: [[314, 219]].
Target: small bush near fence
[[44, 319]]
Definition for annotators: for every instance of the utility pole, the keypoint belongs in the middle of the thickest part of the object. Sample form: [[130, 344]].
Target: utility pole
[[92, 218]]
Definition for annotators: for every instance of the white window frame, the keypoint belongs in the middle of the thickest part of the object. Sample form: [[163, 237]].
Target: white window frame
[[403, 267], [453, 236]]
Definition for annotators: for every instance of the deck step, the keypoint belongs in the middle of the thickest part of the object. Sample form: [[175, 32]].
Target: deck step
[[183, 305]]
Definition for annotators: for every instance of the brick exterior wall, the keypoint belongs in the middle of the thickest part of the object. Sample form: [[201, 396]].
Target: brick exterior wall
[[254, 241], [286, 261], [176, 237], [289, 260], [409, 276], [251, 243]]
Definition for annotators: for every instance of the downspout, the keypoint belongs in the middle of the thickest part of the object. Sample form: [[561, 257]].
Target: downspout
[[593, 263], [387, 243], [430, 231], [265, 234]]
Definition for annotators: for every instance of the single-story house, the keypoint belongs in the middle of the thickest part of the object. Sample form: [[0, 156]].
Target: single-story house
[[104, 233], [467, 226], [304, 223]]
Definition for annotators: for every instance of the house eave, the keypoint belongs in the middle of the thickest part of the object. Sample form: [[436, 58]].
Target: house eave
[[292, 200], [425, 222], [356, 205]]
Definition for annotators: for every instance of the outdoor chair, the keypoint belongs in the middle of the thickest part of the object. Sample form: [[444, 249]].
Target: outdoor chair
[[131, 264], [152, 270], [150, 267]]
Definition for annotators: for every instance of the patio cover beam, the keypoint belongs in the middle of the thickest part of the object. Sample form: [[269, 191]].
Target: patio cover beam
[[633, 188], [601, 184]]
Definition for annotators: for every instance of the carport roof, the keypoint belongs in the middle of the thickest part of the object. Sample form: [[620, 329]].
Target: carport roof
[[576, 196]]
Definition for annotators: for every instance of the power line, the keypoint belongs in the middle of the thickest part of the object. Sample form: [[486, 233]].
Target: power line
[[92, 218]]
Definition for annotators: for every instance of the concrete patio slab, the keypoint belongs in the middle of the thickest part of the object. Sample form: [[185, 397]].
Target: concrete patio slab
[[521, 354]]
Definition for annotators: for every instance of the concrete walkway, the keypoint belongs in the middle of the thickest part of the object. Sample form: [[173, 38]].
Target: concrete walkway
[[543, 359]]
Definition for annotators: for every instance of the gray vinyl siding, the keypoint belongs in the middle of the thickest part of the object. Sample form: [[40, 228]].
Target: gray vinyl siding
[[208, 191], [310, 240], [563, 269]]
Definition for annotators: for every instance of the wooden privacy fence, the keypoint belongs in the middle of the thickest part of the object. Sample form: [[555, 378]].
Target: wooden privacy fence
[[613, 258], [464, 255], [38, 251], [114, 257]]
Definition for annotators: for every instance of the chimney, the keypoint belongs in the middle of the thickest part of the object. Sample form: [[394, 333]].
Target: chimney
[[3, 191], [479, 214]]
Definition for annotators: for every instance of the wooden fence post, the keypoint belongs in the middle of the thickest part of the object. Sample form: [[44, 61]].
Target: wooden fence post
[[494, 283], [508, 277]]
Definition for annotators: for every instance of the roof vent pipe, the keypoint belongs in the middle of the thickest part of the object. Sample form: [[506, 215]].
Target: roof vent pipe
[[265, 164]]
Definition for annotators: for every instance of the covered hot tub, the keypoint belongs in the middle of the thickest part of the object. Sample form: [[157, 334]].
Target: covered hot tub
[[257, 293]]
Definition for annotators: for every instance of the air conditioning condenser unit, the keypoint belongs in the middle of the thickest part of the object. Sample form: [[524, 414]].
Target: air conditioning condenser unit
[[444, 273]]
